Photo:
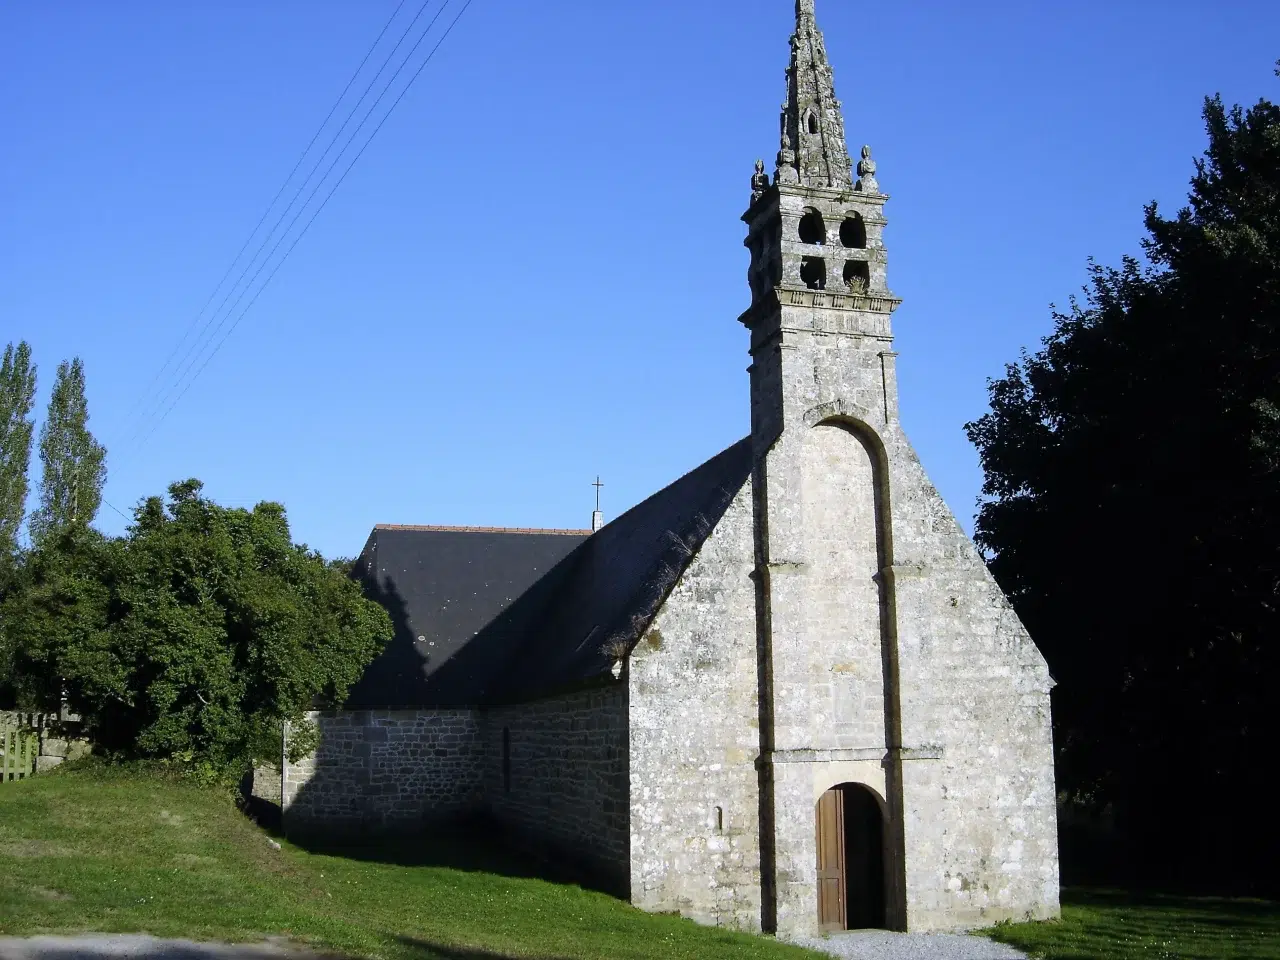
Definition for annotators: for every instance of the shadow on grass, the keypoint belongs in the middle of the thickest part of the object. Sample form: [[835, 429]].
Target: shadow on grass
[[1102, 922], [439, 951], [176, 950], [262, 812], [1222, 911], [473, 845]]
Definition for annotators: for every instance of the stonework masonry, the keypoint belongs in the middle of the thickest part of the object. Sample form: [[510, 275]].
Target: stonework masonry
[[695, 738], [385, 768], [556, 771]]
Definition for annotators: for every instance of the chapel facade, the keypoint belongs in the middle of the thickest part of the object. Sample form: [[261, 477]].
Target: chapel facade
[[784, 693]]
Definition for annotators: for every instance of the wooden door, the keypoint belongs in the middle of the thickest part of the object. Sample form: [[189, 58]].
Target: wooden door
[[831, 866]]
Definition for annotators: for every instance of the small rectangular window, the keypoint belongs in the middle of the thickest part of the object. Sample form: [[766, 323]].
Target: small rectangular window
[[506, 759]]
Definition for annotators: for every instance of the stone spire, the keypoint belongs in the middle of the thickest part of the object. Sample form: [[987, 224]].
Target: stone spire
[[813, 152]]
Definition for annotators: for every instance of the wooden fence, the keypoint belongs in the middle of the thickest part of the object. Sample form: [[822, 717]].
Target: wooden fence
[[19, 747]]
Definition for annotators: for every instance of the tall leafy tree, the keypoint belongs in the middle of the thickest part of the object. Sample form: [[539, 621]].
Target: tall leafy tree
[[74, 463], [195, 636], [1132, 512], [17, 394]]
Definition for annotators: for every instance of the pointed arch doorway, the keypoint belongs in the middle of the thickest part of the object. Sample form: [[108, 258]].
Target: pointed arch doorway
[[850, 835]]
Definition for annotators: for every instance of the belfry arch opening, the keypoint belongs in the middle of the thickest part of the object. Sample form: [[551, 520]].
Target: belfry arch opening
[[813, 273], [857, 276], [813, 229], [851, 859], [853, 232]]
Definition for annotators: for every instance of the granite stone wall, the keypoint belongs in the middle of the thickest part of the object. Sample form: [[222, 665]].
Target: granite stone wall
[[554, 770], [980, 819], [266, 782], [556, 773], [694, 740], [895, 661], [387, 768]]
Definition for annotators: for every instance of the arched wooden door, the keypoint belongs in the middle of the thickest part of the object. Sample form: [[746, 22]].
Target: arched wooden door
[[832, 888], [850, 859]]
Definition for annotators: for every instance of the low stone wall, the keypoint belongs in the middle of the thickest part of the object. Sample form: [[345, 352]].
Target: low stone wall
[[557, 773], [266, 783], [60, 738], [385, 768]]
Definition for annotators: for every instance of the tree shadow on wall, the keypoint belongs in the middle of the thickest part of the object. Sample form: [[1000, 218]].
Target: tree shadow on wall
[[407, 675], [397, 675], [352, 790], [464, 836]]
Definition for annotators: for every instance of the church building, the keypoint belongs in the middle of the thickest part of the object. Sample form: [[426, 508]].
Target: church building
[[782, 694]]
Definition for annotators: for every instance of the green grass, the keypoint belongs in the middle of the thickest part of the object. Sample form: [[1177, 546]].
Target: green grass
[[106, 850], [1112, 925]]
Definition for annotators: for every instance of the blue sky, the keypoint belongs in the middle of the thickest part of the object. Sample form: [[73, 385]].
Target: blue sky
[[533, 274]]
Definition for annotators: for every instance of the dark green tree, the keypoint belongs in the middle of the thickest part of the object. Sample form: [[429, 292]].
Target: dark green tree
[[196, 635], [1132, 512], [73, 462], [57, 611], [17, 394]]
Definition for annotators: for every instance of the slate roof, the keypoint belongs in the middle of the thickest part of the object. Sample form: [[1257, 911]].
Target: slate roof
[[487, 615]]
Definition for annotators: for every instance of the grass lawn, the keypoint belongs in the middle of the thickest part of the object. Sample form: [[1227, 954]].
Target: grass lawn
[[1125, 926], [105, 850]]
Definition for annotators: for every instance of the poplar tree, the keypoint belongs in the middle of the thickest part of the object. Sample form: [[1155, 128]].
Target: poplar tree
[[17, 394], [74, 462]]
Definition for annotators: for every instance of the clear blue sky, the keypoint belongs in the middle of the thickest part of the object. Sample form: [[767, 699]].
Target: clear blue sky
[[534, 273]]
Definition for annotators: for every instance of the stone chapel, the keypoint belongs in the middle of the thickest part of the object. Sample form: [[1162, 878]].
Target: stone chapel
[[782, 694]]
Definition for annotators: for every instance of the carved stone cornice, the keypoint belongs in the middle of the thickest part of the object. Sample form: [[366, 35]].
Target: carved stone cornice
[[881, 304], [837, 300]]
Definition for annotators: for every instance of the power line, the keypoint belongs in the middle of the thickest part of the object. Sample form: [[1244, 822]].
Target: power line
[[265, 213], [195, 357], [117, 510], [192, 356], [144, 407], [323, 203]]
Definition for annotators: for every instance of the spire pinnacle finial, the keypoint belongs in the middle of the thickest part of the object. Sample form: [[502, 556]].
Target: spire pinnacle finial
[[813, 150]]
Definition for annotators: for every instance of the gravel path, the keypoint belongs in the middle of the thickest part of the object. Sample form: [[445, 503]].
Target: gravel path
[[882, 945], [860, 945], [138, 947]]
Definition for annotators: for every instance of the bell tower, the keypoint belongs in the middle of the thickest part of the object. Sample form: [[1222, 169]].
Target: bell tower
[[817, 270], [824, 425], [886, 653]]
